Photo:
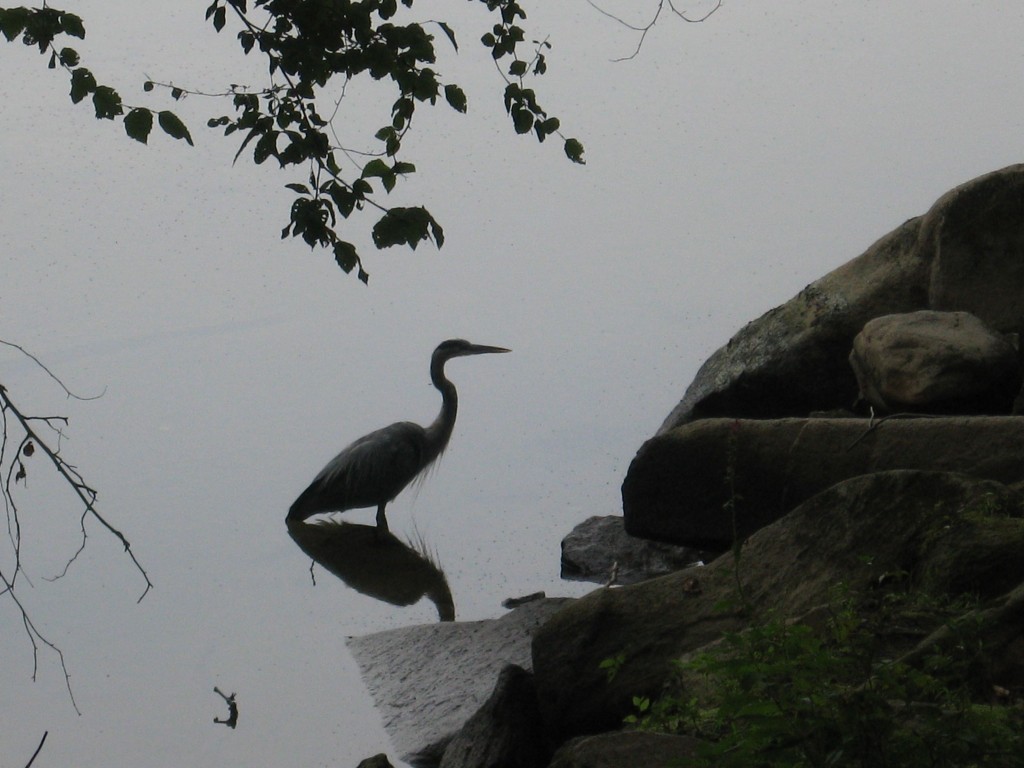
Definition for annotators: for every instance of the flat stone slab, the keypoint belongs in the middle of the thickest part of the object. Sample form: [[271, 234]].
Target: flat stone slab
[[684, 485], [428, 680]]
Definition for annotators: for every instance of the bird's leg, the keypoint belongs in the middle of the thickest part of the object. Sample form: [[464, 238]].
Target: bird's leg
[[382, 521]]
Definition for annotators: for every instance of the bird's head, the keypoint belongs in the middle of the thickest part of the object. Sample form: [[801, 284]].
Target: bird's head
[[446, 350]]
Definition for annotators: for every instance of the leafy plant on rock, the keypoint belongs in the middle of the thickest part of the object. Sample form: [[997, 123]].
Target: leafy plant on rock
[[784, 694]]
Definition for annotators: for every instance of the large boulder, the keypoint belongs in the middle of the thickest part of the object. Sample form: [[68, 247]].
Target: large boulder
[[858, 533], [506, 732], [703, 483], [973, 236], [935, 362], [793, 359], [965, 254]]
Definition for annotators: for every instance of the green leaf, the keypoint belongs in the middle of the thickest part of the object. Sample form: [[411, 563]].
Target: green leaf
[[406, 226], [107, 103], [517, 68], [253, 133], [402, 111], [82, 84], [455, 97], [512, 95], [379, 169], [148, 86], [574, 151], [375, 167], [138, 123], [302, 189], [361, 188], [72, 25], [219, 18], [550, 125], [69, 57], [173, 127], [265, 147], [12, 22], [344, 199], [436, 232], [448, 31], [346, 255], [522, 119]]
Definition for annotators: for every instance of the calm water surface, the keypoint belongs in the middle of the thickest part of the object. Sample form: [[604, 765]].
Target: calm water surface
[[728, 165]]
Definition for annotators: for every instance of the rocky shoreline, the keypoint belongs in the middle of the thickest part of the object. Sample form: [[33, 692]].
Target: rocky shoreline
[[864, 434]]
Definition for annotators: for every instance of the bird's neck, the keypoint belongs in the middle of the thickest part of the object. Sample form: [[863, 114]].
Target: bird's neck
[[443, 425]]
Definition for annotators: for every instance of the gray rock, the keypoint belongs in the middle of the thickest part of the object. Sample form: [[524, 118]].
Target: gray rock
[[681, 484], [377, 761], [428, 680], [793, 359], [974, 238], [965, 254], [626, 749], [935, 362], [854, 533], [600, 545], [506, 732]]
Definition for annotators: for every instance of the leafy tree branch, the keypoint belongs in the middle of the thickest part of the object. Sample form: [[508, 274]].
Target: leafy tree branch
[[311, 48], [46, 28]]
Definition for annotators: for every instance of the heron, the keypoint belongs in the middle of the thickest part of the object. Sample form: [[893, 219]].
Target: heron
[[374, 469]]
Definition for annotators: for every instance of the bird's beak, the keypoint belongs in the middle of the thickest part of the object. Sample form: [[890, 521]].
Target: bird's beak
[[483, 349]]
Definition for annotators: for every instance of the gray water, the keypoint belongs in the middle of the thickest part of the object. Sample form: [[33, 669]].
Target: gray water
[[729, 164]]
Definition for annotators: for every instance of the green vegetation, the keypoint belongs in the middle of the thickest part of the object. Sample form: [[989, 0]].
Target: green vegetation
[[833, 691]]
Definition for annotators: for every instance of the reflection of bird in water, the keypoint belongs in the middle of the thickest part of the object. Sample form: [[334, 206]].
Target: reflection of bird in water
[[375, 468], [376, 563]]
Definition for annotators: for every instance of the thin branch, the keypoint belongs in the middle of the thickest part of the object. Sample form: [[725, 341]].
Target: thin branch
[[644, 29], [74, 479], [14, 455], [35, 637], [36, 753], [874, 423], [50, 373]]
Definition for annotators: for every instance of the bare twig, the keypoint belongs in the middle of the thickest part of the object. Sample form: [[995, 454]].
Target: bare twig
[[874, 424], [36, 753], [43, 435], [232, 719], [645, 28], [50, 373], [35, 638], [86, 494]]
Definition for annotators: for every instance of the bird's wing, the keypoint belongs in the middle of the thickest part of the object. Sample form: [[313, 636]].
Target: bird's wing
[[370, 471]]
